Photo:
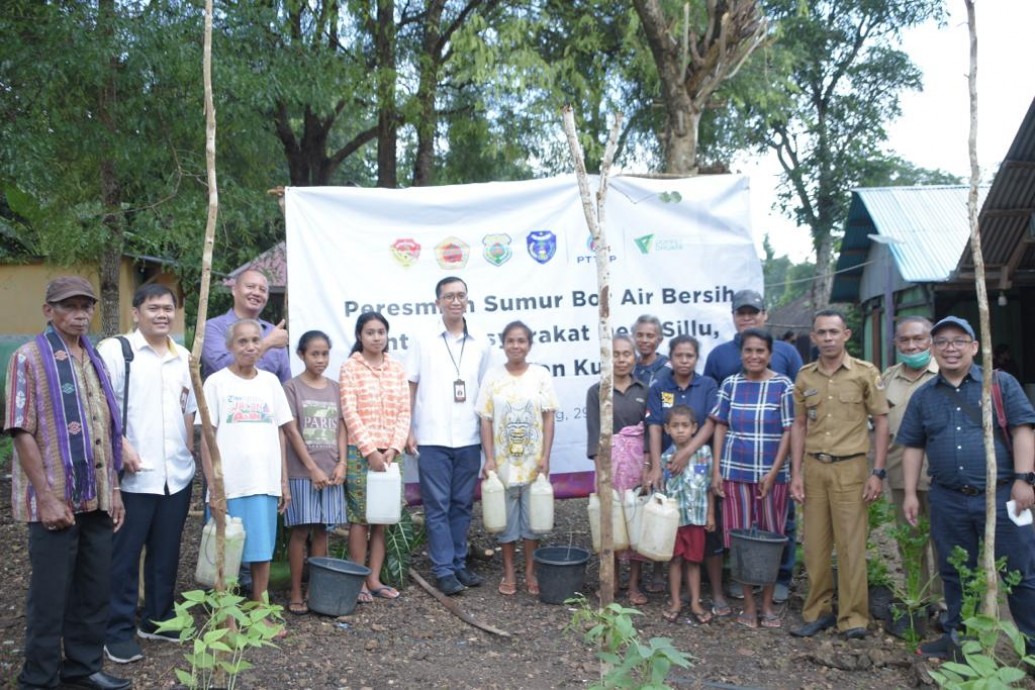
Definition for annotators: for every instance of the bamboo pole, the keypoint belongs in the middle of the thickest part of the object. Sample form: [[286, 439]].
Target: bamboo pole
[[990, 602], [595, 217], [216, 490]]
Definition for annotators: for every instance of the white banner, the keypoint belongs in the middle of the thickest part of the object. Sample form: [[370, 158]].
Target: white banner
[[679, 249]]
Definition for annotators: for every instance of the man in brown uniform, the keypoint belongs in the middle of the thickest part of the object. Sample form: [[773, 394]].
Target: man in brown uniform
[[914, 368], [833, 398]]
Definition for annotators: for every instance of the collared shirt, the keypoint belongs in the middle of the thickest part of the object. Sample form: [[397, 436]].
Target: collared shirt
[[160, 395], [375, 402], [215, 356], [699, 395], [691, 487], [837, 406], [31, 409], [436, 362], [724, 360], [955, 443], [756, 414], [627, 409], [648, 372], [898, 388]]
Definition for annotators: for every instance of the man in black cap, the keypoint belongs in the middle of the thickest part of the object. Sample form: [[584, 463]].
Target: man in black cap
[[943, 418], [68, 439]]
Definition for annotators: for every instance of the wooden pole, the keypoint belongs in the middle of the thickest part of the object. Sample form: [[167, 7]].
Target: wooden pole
[[217, 502], [990, 603], [595, 217]]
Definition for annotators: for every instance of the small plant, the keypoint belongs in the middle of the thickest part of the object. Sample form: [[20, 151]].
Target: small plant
[[230, 625], [628, 662], [913, 596], [879, 513], [401, 541], [982, 666]]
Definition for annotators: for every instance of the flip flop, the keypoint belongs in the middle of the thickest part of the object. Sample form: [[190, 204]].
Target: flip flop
[[721, 610], [507, 588], [670, 615], [748, 621], [771, 620], [385, 592], [298, 608], [365, 597], [702, 618], [532, 586], [637, 598]]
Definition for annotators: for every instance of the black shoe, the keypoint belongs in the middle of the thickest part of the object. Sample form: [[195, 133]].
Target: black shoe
[[98, 681], [123, 652], [816, 626], [449, 585], [469, 579], [944, 647], [854, 634]]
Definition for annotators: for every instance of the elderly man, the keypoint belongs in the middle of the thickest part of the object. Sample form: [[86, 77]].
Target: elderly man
[[724, 361], [944, 419], [251, 292], [159, 408], [445, 368], [915, 367], [834, 398], [68, 453]]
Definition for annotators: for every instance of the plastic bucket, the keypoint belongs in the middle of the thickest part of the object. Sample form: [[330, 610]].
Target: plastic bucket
[[334, 585], [561, 571], [755, 556]]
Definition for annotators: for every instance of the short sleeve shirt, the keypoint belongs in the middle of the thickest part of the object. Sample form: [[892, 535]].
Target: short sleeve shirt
[[837, 406], [756, 414], [627, 409], [699, 396], [318, 413], [690, 487], [899, 388]]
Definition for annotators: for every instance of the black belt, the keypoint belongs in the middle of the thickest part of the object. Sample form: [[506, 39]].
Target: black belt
[[827, 458], [968, 490]]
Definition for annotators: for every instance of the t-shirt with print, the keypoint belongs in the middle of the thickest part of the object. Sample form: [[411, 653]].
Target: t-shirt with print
[[691, 486], [318, 413], [248, 414], [515, 404]]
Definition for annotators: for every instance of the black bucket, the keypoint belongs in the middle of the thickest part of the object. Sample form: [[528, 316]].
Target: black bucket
[[334, 585], [561, 571], [755, 556]]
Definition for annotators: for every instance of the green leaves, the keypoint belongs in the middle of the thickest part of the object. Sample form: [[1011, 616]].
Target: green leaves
[[401, 540]]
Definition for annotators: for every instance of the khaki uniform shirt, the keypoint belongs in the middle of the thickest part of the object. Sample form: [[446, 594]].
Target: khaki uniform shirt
[[837, 407], [898, 388]]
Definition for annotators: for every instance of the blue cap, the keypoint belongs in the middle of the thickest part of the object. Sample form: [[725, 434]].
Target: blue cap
[[953, 321]]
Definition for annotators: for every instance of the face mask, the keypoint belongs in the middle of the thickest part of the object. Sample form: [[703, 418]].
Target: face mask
[[916, 360]]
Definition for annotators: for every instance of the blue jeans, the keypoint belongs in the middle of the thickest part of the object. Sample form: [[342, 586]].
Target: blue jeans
[[155, 521], [959, 520], [447, 477]]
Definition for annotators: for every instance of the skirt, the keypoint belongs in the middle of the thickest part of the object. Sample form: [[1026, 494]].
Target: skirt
[[310, 506], [259, 516]]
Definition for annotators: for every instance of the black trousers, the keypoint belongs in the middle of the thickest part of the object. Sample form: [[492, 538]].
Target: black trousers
[[68, 600]]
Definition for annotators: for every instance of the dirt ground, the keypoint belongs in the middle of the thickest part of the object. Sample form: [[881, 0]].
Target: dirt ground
[[415, 642]]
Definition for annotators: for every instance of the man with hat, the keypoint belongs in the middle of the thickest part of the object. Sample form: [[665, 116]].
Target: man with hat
[[68, 440], [724, 361], [944, 419]]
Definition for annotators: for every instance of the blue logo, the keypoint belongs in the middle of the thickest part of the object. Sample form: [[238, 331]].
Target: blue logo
[[542, 245]]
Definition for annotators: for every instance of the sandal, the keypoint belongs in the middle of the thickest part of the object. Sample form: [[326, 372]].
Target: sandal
[[637, 598], [385, 592], [771, 620], [532, 586], [365, 597], [748, 621], [507, 588], [671, 615], [298, 608], [702, 618], [722, 610]]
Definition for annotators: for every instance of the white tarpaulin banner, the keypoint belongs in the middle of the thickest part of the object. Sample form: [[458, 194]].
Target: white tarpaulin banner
[[679, 249]]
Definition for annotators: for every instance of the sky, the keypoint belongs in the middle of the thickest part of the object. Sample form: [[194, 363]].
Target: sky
[[933, 128]]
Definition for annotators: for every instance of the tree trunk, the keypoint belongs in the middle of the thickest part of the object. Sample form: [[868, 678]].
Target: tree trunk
[[387, 119], [824, 280], [111, 192], [427, 90], [680, 140]]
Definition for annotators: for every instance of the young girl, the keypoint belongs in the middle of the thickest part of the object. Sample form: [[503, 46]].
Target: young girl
[[691, 489], [375, 402], [517, 403], [253, 423], [316, 489]]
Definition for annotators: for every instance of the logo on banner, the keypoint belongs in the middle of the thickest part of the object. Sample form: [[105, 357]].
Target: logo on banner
[[406, 252], [542, 245], [497, 249], [452, 252], [643, 243]]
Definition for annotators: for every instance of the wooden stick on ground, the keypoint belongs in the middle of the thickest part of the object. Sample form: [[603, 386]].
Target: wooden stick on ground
[[454, 608]]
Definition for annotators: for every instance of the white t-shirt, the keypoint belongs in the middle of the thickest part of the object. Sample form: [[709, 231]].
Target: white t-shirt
[[248, 414]]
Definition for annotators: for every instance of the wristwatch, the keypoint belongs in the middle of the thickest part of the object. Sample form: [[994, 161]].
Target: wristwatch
[[880, 474], [1026, 477]]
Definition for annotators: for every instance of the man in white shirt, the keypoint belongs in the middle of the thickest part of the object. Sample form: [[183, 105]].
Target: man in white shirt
[[445, 368], [159, 411]]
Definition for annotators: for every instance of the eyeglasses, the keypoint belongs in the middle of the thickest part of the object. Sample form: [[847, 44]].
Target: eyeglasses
[[958, 343], [454, 297]]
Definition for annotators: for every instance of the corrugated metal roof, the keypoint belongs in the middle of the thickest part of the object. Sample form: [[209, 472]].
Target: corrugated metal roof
[[927, 228]]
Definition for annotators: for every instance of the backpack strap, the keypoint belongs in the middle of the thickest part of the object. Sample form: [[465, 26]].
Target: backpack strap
[[1000, 411], [127, 355]]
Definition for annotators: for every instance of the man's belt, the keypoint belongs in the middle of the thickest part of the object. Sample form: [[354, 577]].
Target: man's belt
[[968, 490], [827, 458]]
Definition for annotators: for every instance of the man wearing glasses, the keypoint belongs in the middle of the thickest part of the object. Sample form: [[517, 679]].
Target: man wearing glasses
[[67, 433], [915, 367], [445, 367], [943, 418]]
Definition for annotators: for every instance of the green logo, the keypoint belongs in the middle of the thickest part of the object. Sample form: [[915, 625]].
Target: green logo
[[644, 243]]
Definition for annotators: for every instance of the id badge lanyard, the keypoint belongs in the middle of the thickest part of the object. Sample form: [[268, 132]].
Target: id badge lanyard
[[459, 387]]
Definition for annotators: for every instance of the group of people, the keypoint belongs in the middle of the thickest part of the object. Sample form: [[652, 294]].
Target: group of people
[[103, 439]]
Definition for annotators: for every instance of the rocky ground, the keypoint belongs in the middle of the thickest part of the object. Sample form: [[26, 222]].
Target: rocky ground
[[415, 642]]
